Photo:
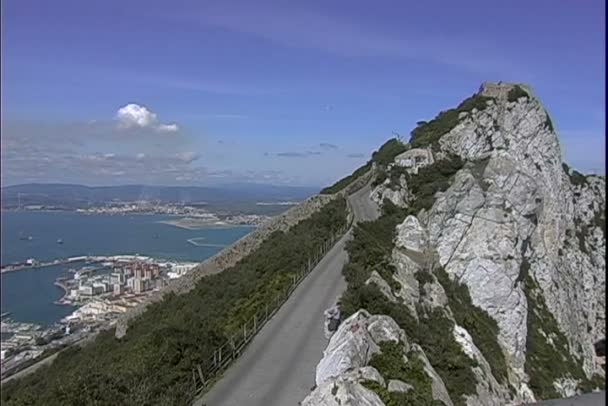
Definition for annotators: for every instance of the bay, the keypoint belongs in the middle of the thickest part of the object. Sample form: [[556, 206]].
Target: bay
[[29, 295]]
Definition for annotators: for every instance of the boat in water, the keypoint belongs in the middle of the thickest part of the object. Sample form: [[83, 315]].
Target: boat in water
[[24, 237], [60, 241]]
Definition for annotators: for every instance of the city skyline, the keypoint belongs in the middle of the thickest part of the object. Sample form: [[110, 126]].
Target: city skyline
[[214, 93]]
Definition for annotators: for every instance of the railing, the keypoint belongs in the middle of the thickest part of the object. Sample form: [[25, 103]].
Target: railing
[[203, 374]]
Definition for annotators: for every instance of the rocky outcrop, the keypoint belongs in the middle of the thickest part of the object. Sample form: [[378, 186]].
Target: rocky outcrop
[[519, 230], [353, 345], [229, 256], [399, 196], [342, 391]]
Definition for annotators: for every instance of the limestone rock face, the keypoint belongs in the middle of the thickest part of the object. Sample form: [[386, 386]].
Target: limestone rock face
[[438, 387], [395, 385], [341, 391], [399, 195], [410, 235], [514, 201], [356, 340], [513, 219], [382, 285]]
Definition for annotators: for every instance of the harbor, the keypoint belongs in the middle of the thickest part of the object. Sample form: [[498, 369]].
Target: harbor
[[32, 263], [98, 289]]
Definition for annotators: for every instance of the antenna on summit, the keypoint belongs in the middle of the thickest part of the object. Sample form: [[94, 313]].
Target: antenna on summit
[[398, 136]]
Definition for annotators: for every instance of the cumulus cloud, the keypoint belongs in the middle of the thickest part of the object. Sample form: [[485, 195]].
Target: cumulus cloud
[[134, 115]]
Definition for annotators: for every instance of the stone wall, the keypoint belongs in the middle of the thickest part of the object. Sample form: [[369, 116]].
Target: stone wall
[[229, 256]]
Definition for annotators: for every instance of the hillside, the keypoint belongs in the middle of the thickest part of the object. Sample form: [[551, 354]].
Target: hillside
[[483, 282]]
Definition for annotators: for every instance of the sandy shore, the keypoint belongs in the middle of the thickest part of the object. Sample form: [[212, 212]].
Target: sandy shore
[[190, 223]]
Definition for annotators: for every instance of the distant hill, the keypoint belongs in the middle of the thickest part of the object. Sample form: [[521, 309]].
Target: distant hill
[[71, 196]]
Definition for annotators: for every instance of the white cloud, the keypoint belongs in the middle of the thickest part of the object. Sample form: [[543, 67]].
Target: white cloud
[[168, 128], [136, 116], [188, 156], [140, 156]]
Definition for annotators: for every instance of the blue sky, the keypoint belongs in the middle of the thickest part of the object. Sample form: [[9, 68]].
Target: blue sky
[[259, 91]]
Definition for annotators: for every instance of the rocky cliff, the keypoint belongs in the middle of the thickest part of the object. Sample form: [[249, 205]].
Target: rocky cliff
[[493, 238]]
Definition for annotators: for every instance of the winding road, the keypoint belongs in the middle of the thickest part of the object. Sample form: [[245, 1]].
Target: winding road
[[278, 367]]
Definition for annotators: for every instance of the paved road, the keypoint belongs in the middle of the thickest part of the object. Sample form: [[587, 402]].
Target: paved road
[[588, 399], [278, 366]]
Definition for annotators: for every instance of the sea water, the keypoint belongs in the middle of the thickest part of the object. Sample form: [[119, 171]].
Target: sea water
[[29, 295]]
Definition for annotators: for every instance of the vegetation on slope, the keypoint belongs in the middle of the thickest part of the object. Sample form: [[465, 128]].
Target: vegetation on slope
[[430, 180], [371, 248], [391, 366], [576, 178], [515, 93], [428, 133], [385, 155], [347, 180], [547, 350], [483, 328], [153, 363]]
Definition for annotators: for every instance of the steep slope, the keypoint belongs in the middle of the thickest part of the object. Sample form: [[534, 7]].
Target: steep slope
[[491, 259]]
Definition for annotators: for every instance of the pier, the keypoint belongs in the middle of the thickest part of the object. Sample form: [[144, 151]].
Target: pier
[[33, 265]]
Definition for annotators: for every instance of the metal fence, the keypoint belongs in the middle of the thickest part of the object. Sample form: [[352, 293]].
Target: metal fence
[[229, 351]]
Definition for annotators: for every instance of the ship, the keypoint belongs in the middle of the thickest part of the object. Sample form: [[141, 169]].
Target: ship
[[25, 238], [59, 241]]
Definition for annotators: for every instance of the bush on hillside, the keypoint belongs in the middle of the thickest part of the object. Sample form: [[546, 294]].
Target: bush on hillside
[[516, 93], [153, 362], [428, 133]]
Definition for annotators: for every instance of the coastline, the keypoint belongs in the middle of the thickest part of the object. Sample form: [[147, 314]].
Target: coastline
[[193, 226], [63, 301]]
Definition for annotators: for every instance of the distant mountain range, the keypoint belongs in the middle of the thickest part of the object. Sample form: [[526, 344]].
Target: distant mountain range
[[72, 196]]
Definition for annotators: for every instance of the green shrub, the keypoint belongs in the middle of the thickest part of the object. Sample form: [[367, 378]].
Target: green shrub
[[515, 93], [480, 325], [548, 122], [153, 362], [430, 180], [388, 151], [382, 157], [344, 182], [391, 366], [381, 176], [545, 362], [423, 277], [428, 133], [372, 244], [577, 178]]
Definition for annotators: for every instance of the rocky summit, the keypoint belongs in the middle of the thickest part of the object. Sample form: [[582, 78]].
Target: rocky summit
[[489, 285]]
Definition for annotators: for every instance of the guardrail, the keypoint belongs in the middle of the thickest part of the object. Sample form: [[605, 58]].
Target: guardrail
[[203, 374]]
